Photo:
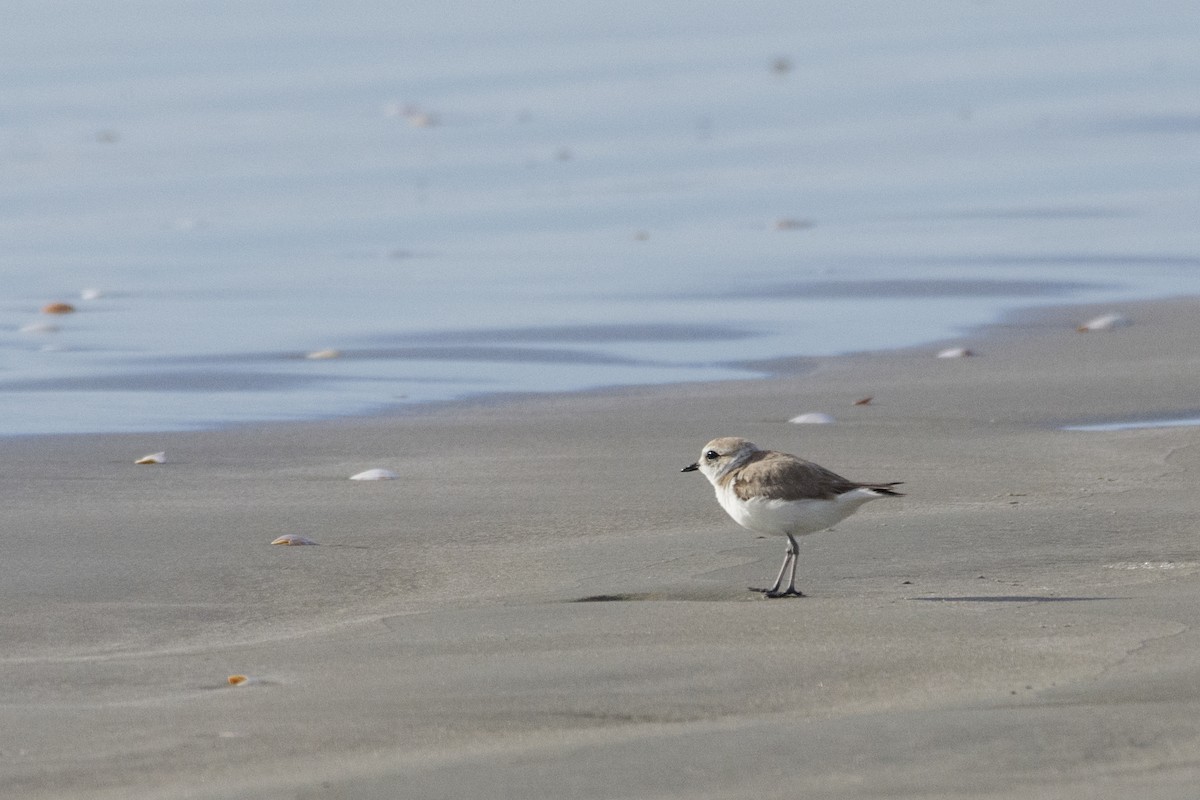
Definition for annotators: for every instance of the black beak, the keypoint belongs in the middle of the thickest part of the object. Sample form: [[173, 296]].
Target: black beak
[[691, 467]]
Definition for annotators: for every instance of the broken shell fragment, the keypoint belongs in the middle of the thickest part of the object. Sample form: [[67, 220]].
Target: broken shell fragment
[[955, 352], [812, 418], [39, 327], [244, 680], [375, 475], [91, 294], [153, 458], [291, 538], [1103, 323], [58, 308], [327, 352], [864, 401]]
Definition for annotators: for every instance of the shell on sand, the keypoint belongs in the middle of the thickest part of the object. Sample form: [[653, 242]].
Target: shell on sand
[[243, 680], [91, 294], [1103, 323], [955, 352], [153, 458], [375, 475], [293, 539], [327, 352], [812, 418], [58, 308]]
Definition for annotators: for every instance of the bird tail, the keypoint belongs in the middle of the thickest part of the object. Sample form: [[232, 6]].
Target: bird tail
[[884, 489]]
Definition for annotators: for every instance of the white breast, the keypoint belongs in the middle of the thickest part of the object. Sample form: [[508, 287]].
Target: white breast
[[797, 517]]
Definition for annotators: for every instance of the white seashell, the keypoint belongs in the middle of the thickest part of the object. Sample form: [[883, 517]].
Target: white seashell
[[375, 475], [153, 458], [91, 294], [812, 418], [291, 538], [39, 327], [327, 352], [1103, 323], [955, 352]]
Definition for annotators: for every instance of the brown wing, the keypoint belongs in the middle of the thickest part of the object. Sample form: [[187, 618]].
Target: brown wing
[[779, 476]]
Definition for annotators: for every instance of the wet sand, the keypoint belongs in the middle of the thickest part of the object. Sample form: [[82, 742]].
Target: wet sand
[[543, 606]]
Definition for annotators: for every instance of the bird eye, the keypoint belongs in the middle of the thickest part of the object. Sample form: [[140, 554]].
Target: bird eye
[[712, 455]]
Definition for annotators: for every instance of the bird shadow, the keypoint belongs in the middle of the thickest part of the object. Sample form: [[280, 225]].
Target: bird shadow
[[612, 598], [704, 595]]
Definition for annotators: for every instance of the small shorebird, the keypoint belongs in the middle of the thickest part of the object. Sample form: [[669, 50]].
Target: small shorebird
[[779, 494]]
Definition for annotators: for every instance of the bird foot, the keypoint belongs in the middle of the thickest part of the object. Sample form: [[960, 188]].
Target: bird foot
[[775, 593]]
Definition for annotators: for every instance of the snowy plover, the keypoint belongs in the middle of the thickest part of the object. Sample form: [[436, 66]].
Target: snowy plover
[[775, 493]]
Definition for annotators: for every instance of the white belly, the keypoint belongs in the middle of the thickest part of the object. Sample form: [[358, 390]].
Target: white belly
[[797, 517]]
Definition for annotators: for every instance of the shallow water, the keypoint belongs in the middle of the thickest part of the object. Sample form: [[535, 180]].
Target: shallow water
[[465, 200]]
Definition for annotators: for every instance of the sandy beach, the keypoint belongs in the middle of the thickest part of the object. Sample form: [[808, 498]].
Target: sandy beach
[[1020, 625]]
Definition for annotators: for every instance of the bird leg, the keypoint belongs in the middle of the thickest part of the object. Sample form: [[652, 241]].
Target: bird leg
[[791, 590], [789, 560]]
